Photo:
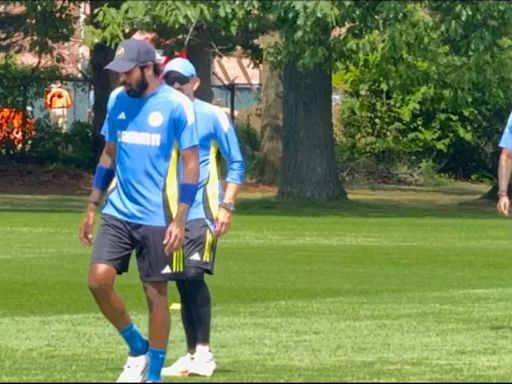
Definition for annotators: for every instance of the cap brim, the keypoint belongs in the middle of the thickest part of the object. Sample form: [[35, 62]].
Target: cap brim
[[182, 73], [167, 68], [120, 65]]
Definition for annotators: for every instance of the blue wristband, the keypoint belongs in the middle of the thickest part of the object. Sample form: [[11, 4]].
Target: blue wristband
[[103, 177], [187, 193]]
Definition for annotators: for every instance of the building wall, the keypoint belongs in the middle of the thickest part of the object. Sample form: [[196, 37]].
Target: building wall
[[245, 97]]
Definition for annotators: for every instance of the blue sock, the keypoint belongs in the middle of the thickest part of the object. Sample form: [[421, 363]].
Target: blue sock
[[156, 363], [136, 342]]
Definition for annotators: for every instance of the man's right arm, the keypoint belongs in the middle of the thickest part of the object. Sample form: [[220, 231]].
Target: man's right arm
[[504, 172], [105, 164], [102, 178], [106, 161], [505, 168]]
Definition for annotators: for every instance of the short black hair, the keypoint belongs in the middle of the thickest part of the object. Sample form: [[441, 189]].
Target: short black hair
[[157, 70]]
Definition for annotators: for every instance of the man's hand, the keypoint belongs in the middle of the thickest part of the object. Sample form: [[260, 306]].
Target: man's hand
[[174, 236], [503, 205], [223, 222], [87, 226]]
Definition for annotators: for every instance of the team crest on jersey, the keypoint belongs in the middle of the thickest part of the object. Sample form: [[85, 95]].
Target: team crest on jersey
[[120, 52], [155, 119]]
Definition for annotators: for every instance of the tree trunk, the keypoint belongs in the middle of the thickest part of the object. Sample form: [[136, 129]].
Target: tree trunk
[[308, 168], [200, 54], [103, 81], [271, 124], [271, 116]]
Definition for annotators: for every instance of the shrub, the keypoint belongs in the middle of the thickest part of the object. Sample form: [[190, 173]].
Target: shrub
[[49, 146]]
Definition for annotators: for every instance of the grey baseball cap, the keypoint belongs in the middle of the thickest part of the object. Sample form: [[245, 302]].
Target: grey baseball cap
[[131, 53]]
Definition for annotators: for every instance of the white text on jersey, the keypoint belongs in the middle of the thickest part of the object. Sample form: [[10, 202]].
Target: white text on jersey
[[141, 138]]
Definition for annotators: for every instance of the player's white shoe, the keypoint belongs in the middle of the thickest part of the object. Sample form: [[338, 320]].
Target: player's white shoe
[[180, 368], [202, 364], [134, 370]]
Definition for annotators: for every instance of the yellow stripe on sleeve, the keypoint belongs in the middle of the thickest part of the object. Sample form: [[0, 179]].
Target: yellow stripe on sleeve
[[213, 187], [171, 182]]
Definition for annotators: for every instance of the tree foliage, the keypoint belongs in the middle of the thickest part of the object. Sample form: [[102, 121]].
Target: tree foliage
[[31, 26], [36, 25], [178, 23], [427, 80]]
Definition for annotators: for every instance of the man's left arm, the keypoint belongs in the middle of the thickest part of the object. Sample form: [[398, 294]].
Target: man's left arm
[[229, 147]]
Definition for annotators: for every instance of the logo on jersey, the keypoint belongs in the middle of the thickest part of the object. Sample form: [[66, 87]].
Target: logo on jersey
[[155, 119], [120, 52], [121, 116]]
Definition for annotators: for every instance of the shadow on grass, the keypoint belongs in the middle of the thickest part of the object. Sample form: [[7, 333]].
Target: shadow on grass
[[378, 201], [42, 203], [366, 208], [460, 189], [501, 328]]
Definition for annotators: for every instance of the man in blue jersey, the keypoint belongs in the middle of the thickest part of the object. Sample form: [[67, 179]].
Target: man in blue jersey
[[209, 217], [147, 125]]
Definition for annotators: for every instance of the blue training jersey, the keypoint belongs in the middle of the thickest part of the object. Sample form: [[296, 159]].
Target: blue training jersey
[[506, 137], [216, 133], [148, 132]]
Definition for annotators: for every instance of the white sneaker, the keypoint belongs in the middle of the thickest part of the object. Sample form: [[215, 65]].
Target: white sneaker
[[202, 364], [180, 368], [134, 370]]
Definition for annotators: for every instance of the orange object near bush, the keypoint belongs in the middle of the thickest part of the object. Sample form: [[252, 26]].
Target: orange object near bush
[[57, 98], [15, 126]]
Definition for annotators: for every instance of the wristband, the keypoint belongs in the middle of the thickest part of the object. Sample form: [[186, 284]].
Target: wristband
[[502, 194], [187, 193], [103, 177]]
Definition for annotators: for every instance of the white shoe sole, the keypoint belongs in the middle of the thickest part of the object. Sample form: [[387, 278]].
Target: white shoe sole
[[203, 374], [175, 374]]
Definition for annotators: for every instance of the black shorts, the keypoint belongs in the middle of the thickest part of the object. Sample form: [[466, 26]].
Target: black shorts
[[198, 253], [117, 239]]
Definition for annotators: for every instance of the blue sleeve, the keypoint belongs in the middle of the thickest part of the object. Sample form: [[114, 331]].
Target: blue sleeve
[[108, 127], [185, 124], [506, 137], [229, 147]]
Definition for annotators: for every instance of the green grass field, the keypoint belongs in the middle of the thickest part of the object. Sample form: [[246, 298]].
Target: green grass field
[[398, 284]]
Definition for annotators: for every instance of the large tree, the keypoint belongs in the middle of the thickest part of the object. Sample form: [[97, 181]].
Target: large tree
[[308, 168]]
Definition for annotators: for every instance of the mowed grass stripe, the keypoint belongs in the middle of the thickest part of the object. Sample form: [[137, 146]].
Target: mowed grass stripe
[[302, 338]]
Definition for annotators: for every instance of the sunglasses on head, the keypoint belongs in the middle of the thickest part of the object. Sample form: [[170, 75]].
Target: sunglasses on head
[[174, 77]]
